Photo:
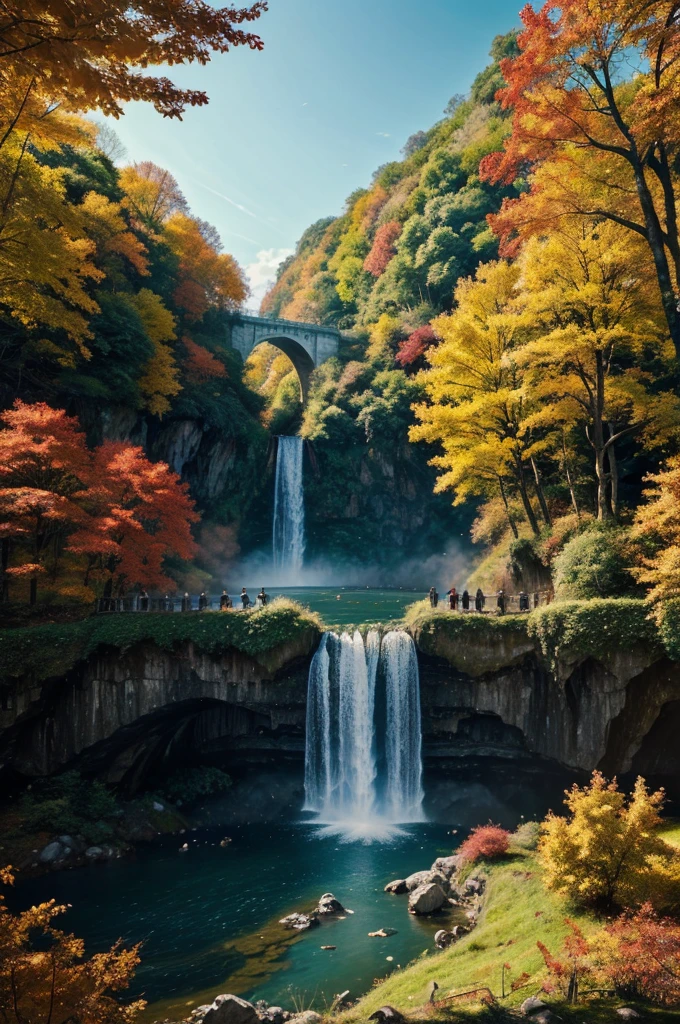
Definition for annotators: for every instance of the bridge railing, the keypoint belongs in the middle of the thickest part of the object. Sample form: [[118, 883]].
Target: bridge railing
[[256, 315]]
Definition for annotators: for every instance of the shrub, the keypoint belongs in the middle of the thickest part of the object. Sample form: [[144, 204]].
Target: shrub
[[594, 564], [608, 852], [527, 835], [484, 843], [70, 804], [192, 784]]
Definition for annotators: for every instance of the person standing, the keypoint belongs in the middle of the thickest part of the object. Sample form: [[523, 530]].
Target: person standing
[[480, 600], [186, 602], [144, 601], [523, 601], [202, 602], [500, 602], [263, 598], [465, 601], [431, 594], [245, 600], [225, 601], [453, 599]]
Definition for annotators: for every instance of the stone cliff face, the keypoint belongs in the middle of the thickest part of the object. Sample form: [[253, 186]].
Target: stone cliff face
[[130, 716]]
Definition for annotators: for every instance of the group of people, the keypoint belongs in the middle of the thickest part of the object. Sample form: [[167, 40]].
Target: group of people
[[465, 599], [167, 603]]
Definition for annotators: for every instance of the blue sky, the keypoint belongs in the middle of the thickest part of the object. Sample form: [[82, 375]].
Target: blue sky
[[291, 131]]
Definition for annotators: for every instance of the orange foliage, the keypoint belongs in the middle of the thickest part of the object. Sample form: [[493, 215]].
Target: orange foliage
[[485, 842], [206, 276], [201, 364], [383, 248]]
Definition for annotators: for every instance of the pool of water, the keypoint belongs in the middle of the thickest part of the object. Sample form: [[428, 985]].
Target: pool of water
[[208, 918], [343, 605]]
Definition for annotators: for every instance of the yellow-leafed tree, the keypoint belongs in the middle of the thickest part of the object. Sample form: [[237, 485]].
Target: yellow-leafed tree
[[160, 379]]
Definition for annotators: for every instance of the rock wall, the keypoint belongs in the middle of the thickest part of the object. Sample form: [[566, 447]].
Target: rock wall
[[127, 716]]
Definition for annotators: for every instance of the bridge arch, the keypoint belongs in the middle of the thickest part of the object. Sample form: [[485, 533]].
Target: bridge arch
[[306, 345], [299, 357]]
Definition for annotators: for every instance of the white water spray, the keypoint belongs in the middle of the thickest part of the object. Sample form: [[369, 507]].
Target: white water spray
[[289, 507], [363, 761]]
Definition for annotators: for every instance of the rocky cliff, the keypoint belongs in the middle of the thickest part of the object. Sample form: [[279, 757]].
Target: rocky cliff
[[492, 693]]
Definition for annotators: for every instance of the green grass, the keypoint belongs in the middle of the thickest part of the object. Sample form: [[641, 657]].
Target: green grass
[[52, 649], [518, 912], [595, 627], [670, 831]]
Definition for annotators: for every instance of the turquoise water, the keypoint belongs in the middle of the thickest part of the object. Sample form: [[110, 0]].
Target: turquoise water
[[343, 605], [209, 918]]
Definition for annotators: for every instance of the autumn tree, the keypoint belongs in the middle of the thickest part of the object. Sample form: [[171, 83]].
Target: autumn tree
[[591, 323], [139, 512], [416, 345], [638, 955], [45, 975], [160, 380], [207, 277], [477, 407], [610, 144], [151, 193], [608, 852], [44, 463], [657, 525], [99, 57], [383, 248]]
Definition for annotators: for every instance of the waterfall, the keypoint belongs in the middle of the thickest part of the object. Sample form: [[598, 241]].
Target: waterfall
[[363, 754], [289, 507]]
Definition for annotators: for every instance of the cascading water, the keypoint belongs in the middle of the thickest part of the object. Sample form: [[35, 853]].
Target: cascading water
[[363, 757], [289, 507]]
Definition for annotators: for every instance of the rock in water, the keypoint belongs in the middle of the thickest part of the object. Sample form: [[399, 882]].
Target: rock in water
[[443, 938], [308, 1017], [52, 852], [396, 887], [329, 905], [419, 878], [426, 899], [299, 922], [229, 1009], [447, 866], [382, 933]]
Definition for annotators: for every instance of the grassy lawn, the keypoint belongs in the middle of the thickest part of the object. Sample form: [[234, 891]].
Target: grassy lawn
[[670, 831], [518, 911]]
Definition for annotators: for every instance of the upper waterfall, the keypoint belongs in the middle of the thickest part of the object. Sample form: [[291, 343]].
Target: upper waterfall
[[288, 538], [363, 762]]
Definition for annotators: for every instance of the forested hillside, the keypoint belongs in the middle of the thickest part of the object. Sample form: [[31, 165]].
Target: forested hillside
[[512, 288]]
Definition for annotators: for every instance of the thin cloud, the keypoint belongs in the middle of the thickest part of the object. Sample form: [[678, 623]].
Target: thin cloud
[[232, 202], [384, 135]]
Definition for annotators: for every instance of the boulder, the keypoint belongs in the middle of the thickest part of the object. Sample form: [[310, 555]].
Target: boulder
[[382, 933], [474, 885], [443, 938], [532, 1005], [308, 1017], [419, 878], [52, 853], [389, 1014], [329, 905], [94, 853], [447, 866], [229, 1009], [299, 922], [426, 899], [396, 887], [627, 1012]]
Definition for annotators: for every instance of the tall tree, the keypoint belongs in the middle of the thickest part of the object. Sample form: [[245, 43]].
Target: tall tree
[[568, 94], [477, 407]]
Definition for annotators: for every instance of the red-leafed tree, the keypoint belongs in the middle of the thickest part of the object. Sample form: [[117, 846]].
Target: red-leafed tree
[[639, 955], [484, 843], [611, 145], [44, 462], [383, 248], [201, 365], [140, 512], [412, 350], [568, 969]]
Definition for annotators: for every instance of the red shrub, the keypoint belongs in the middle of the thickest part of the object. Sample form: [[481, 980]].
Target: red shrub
[[383, 248], [485, 841]]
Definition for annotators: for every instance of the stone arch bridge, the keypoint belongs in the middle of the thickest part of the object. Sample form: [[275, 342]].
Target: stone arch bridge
[[306, 345]]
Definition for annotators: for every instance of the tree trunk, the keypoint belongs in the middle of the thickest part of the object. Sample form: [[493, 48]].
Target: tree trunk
[[513, 527], [528, 508], [569, 480], [613, 474], [655, 239], [539, 492], [4, 563], [598, 442]]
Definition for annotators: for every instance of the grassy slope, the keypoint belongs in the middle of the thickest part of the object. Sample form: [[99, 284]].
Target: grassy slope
[[507, 932], [52, 649]]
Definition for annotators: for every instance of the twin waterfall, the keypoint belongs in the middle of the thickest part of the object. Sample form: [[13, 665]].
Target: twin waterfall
[[363, 756], [289, 509]]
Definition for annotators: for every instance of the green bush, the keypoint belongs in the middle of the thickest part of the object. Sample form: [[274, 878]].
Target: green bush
[[526, 835], [70, 804], [667, 615], [190, 785], [594, 564], [595, 627]]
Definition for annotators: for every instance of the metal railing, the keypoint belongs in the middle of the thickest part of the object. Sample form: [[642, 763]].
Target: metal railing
[[512, 604], [255, 314]]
